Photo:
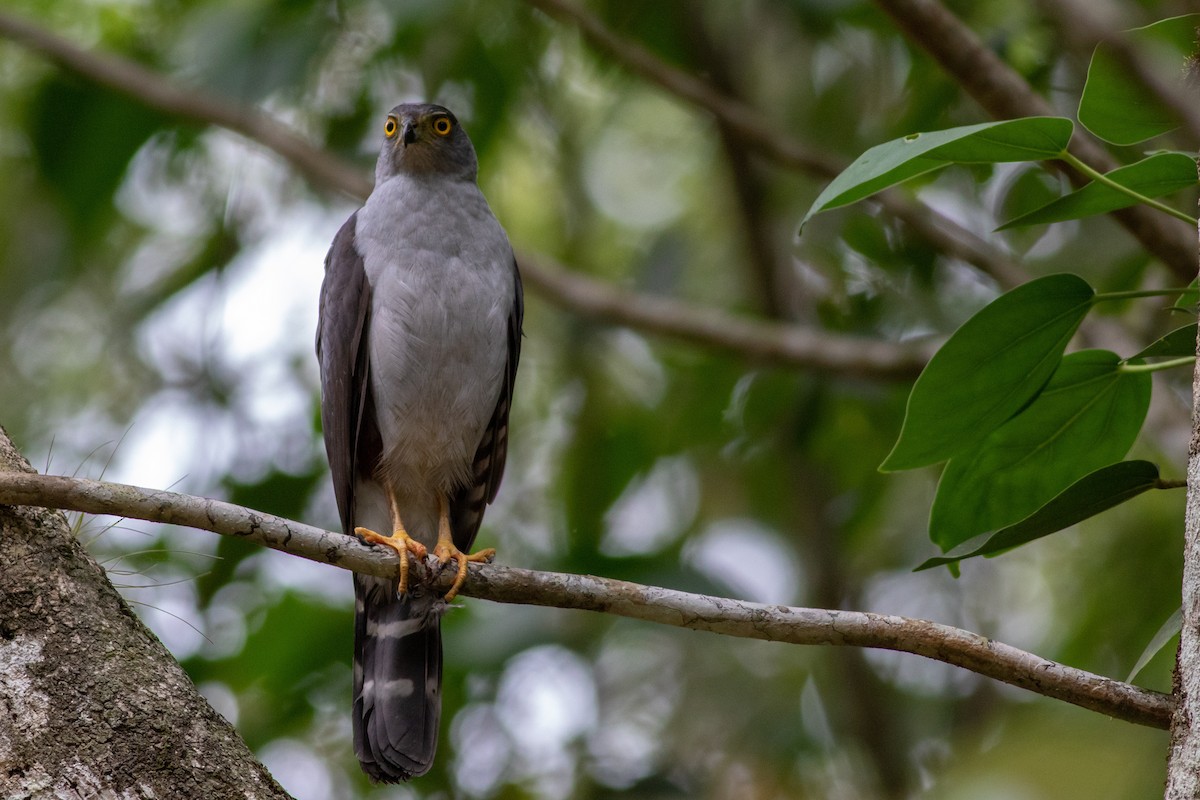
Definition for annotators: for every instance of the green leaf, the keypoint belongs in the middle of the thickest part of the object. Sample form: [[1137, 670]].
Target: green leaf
[[1090, 495], [1176, 344], [1158, 175], [1028, 139], [1032, 187], [1115, 105], [1088, 416], [1165, 633], [991, 367], [1190, 298]]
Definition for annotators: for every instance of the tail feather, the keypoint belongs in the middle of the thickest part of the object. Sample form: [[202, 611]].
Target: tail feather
[[397, 679]]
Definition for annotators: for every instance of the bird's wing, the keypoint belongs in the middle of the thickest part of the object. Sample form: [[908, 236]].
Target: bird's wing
[[468, 503], [347, 415]]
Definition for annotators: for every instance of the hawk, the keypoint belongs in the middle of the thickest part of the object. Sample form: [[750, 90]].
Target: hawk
[[418, 338]]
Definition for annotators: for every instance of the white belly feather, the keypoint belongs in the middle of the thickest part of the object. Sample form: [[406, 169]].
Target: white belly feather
[[440, 269]]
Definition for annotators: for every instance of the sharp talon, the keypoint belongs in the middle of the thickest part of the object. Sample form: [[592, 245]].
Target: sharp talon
[[485, 556], [402, 543], [446, 554], [446, 550], [459, 577]]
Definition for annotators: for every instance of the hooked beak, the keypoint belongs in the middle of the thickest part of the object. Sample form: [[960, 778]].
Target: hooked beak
[[408, 133]]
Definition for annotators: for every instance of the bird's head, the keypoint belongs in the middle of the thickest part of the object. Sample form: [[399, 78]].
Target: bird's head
[[423, 139]]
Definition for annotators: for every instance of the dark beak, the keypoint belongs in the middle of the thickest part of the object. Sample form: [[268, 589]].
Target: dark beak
[[408, 134]]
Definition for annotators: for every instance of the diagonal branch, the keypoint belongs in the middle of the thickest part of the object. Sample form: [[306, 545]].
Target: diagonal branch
[[651, 604], [746, 121], [792, 345], [188, 103], [758, 132], [1005, 94], [997, 87], [766, 342], [1083, 24]]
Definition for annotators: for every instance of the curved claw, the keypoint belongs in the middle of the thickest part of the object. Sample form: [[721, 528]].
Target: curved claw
[[402, 543], [446, 551]]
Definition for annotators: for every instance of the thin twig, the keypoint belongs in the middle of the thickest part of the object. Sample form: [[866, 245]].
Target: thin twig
[[761, 341], [651, 604]]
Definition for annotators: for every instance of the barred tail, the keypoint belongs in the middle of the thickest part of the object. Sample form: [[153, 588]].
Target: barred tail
[[397, 680]]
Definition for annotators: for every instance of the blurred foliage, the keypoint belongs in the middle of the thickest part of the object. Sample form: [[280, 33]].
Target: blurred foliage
[[158, 286]]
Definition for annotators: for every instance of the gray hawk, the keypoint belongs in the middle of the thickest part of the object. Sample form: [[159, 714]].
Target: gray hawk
[[418, 339]]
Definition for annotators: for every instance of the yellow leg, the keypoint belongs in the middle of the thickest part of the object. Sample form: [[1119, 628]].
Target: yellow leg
[[399, 541], [445, 550]]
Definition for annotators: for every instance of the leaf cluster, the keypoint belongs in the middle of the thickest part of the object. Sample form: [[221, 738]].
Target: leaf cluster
[[1033, 438]]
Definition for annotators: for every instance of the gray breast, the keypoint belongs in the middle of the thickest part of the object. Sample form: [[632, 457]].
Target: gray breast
[[440, 268]]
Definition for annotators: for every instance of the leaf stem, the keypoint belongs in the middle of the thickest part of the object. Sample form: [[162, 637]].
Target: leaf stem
[[1175, 362], [1133, 293], [1109, 182]]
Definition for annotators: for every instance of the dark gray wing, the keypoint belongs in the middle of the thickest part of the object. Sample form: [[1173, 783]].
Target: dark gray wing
[[469, 502], [397, 642], [347, 410]]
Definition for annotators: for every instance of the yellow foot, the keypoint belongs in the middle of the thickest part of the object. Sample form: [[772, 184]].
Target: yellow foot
[[402, 543], [446, 550]]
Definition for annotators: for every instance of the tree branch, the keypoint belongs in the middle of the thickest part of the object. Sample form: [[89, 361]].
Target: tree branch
[[1004, 94], [775, 286], [1083, 25], [1183, 760], [91, 703], [651, 604], [756, 131], [792, 345], [188, 103], [766, 342], [749, 124]]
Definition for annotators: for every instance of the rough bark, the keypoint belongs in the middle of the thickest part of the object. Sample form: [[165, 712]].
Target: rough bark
[[811, 626], [91, 703], [1183, 765]]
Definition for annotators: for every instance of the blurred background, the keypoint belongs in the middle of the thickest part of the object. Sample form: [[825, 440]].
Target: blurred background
[[158, 291]]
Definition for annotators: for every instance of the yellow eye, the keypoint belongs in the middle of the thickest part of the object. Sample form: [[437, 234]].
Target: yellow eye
[[442, 126], [389, 127]]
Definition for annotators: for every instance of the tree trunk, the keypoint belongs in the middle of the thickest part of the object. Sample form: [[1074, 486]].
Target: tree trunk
[[1183, 765], [91, 704]]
